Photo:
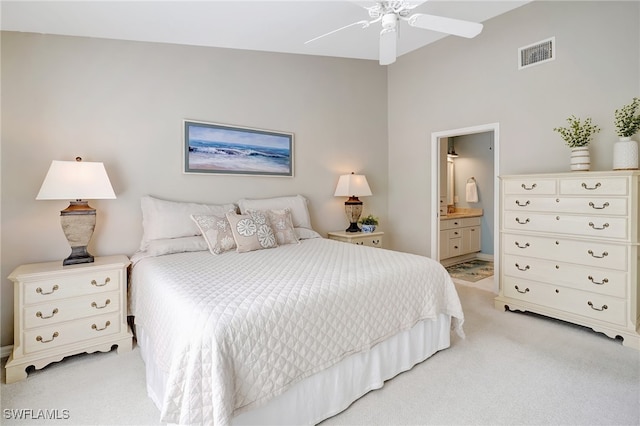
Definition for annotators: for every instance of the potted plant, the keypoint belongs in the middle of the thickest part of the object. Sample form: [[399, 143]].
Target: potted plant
[[625, 150], [577, 137], [368, 223]]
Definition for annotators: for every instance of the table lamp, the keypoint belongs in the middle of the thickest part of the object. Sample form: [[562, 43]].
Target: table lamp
[[77, 180], [353, 186]]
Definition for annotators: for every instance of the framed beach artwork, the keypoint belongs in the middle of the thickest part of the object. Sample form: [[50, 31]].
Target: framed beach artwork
[[231, 150]]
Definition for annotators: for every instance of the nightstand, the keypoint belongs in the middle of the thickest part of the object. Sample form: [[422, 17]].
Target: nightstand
[[371, 239], [67, 310]]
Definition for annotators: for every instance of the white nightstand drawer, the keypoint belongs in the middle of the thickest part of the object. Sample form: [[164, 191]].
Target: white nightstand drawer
[[48, 337], [71, 285], [370, 239], [64, 310], [595, 186]]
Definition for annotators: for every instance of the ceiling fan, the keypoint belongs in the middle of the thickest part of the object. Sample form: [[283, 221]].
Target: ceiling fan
[[389, 13]]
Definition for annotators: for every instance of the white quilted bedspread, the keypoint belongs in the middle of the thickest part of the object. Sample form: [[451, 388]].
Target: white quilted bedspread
[[232, 331]]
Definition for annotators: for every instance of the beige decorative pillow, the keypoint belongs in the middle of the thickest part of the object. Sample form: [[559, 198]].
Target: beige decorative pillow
[[216, 231], [251, 231], [282, 226]]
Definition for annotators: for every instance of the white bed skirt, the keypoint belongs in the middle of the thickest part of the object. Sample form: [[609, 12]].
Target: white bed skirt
[[316, 398]]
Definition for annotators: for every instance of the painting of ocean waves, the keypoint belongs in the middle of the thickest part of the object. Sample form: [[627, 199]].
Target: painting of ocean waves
[[212, 148]]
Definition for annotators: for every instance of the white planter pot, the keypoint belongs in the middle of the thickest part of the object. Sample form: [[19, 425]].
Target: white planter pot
[[625, 154], [580, 159]]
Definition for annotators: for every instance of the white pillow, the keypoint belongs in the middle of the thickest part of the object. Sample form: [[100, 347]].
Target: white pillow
[[171, 219], [176, 245], [296, 203]]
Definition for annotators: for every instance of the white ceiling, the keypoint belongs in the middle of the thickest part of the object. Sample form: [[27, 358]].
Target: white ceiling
[[274, 26]]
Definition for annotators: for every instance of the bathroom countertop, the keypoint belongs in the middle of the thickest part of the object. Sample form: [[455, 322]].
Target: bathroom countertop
[[462, 213]]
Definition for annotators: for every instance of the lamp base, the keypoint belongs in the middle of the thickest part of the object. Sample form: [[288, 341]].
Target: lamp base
[[353, 209], [353, 227], [78, 222]]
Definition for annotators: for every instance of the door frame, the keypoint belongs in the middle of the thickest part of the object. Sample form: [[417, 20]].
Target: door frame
[[435, 188]]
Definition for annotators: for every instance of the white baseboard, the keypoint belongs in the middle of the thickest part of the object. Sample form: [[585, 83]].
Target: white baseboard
[[5, 351], [485, 256]]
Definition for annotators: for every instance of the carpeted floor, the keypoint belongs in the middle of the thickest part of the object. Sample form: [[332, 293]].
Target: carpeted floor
[[472, 270]]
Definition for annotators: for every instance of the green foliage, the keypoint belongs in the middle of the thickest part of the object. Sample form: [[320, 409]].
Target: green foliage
[[627, 119], [369, 220], [577, 134]]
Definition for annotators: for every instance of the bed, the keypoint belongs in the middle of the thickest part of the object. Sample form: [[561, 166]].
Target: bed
[[290, 334]]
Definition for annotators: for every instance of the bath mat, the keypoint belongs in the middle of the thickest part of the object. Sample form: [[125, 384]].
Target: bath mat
[[472, 270]]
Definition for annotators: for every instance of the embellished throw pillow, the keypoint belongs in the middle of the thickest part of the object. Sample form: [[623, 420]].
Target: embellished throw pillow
[[251, 231], [282, 226], [216, 231]]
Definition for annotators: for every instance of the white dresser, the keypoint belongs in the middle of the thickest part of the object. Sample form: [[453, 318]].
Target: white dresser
[[569, 249], [65, 310]]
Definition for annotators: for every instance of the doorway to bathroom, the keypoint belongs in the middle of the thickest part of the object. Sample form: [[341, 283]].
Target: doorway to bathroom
[[465, 188]]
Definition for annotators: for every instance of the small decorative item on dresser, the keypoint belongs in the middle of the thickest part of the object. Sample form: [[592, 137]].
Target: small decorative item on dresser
[[625, 150], [368, 223], [578, 136]]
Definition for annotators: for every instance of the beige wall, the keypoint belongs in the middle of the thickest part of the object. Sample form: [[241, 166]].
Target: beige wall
[[457, 83], [123, 103]]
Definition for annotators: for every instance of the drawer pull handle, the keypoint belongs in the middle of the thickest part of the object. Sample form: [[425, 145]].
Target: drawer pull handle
[[44, 293], [53, 336], [605, 226], [526, 290], [526, 268], [39, 314], [95, 305], [584, 185], [604, 281], [522, 204], [597, 309], [522, 223], [106, 324], [604, 206], [530, 188], [376, 242], [604, 254], [523, 246], [106, 281], [360, 243]]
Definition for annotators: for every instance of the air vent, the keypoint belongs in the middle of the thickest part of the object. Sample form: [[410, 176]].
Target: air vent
[[537, 53]]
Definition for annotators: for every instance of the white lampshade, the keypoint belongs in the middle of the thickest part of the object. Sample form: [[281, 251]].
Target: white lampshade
[[352, 186], [76, 180]]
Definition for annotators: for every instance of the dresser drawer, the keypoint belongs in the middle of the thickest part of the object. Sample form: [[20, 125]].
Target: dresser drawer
[[579, 205], [71, 285], [590, 305], [68, 309], [530, 186], [43, 338], [591, 226], [597, 254], [588, 278], [594, 186]]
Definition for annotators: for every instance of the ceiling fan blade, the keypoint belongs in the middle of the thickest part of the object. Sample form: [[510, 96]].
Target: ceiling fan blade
[[441, 24], [364, 24], [388, 41]]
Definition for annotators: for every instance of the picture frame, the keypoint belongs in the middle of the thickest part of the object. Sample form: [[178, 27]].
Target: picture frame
[[224, 149]]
